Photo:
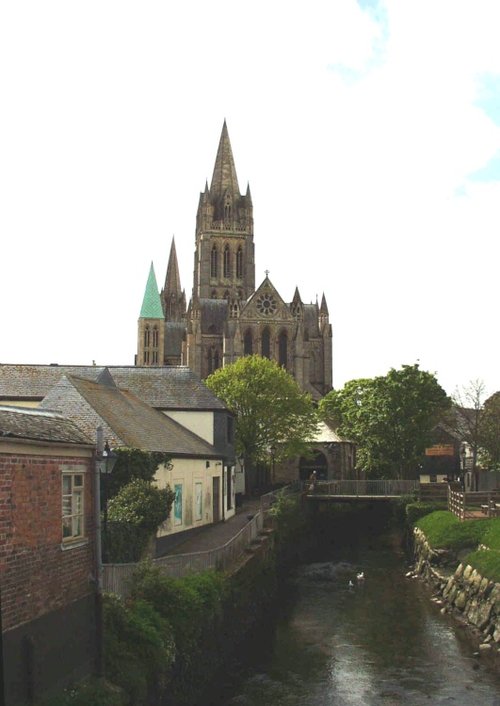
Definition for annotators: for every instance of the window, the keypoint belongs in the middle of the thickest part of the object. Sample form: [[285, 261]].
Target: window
[[146, 337], [72, 506], [213, 262], [283, 349], [239, 263], [227, 262], [266, 343], [155, 336], [248, 343]]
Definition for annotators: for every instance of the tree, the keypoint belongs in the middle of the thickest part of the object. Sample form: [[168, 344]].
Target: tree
[[271, 411], [131, 464], [390, 418], [465, 416], [134, 515], [489, 432]]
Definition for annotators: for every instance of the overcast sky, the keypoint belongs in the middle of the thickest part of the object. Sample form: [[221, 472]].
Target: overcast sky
[[369, 133]]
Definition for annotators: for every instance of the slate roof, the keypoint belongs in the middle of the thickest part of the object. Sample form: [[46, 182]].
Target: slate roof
[[38, 425], [129, 421], [166, 387]]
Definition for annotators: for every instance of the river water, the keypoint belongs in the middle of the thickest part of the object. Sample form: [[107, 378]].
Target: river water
[[380, 642]]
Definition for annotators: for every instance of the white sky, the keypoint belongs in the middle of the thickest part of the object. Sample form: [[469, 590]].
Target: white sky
[[369, 132]]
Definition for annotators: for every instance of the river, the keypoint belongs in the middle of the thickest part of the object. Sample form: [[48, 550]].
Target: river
[[379, 642]]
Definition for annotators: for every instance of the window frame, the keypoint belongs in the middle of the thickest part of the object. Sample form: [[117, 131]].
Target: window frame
[[77, 513]]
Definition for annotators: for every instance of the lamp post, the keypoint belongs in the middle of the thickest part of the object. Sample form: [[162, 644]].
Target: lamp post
[[463, 454], [105, 459], [273, 458]]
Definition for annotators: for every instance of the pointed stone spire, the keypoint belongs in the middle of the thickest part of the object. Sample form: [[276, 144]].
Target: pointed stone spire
[[224, 178], [151, 304], [324, 307], [296, 297], [173, 296], [173, 279]]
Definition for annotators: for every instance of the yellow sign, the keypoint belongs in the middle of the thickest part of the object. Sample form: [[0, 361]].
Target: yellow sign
[[440, 450]]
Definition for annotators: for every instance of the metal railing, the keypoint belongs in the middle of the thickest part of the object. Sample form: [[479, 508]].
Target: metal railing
[[365, 488]]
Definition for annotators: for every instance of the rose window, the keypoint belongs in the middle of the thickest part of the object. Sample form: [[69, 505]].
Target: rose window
[[266, 304]]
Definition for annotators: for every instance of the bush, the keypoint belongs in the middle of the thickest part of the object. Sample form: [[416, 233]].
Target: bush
[[414, 511], [141, 504], [95, 692], [138, 646]]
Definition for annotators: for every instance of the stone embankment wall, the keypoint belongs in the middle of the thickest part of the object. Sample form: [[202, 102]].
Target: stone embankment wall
[[461, 590]]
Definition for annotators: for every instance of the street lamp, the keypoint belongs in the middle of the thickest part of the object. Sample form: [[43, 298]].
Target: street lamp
[[105, 460], [463, 454], [273, 457]]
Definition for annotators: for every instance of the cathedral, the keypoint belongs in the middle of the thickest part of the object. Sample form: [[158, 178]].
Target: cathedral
[[227, 316]]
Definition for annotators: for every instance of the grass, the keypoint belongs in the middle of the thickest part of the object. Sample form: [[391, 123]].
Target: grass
[[445, 531]]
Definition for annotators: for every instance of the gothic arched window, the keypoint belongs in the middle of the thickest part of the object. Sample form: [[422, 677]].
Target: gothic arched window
[[283, 349], [239, 263], [213, 262], [248, 343], [146, 337], [227, 262], [155, 336], [266, 343]]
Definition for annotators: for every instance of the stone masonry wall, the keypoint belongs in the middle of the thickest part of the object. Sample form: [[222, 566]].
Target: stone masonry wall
[[461, 590]]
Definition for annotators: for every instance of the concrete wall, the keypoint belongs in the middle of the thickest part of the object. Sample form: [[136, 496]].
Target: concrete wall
[[200, 423]]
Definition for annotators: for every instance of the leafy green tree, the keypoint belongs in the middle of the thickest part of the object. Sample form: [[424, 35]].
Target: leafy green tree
[[271, 411], [390, 418], [489, 432], [130, 464], [141, 504], [133, 516]]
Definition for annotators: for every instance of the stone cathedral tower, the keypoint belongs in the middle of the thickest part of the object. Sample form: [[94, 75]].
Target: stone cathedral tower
[[227, 317]]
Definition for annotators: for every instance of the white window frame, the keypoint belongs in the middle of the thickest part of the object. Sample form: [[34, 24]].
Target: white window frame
[[73, 506]]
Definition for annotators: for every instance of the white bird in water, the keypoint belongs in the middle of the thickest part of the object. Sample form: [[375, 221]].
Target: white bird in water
[[361, 576], [351, 585]]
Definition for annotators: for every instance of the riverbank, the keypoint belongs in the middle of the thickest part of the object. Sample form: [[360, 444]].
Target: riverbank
[[461, 590]]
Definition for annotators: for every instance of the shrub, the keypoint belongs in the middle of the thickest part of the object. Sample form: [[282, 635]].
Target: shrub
[[97, 692], [138, 646], [416, 510]]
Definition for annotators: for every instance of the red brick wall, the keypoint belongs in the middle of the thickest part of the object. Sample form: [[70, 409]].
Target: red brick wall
[[37, 575]]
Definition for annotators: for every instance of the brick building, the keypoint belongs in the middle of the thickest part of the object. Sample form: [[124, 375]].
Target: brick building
[[47, 557], [227, 316]]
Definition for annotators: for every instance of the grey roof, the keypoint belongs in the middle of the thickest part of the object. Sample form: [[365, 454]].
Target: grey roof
[[38, 425], [166, 387], [127, 421]]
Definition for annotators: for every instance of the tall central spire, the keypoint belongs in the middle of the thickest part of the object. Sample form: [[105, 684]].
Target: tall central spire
[[224, 178]]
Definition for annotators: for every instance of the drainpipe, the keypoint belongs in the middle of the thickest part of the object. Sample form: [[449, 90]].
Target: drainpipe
[[98, 552]]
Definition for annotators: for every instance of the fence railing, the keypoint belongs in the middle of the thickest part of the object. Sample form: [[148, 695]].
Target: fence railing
[[116, 576], [468, 504], [369, 488]]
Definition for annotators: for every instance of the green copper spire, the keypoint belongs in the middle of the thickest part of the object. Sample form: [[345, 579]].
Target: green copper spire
[[151, 304]]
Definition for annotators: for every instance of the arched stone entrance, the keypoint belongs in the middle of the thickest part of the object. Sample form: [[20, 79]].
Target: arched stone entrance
[[317, 463]]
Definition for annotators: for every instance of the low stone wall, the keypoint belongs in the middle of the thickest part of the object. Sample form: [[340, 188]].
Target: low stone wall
[[462, 591]]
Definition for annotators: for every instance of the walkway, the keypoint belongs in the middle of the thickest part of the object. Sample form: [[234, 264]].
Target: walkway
[[214, 536]]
